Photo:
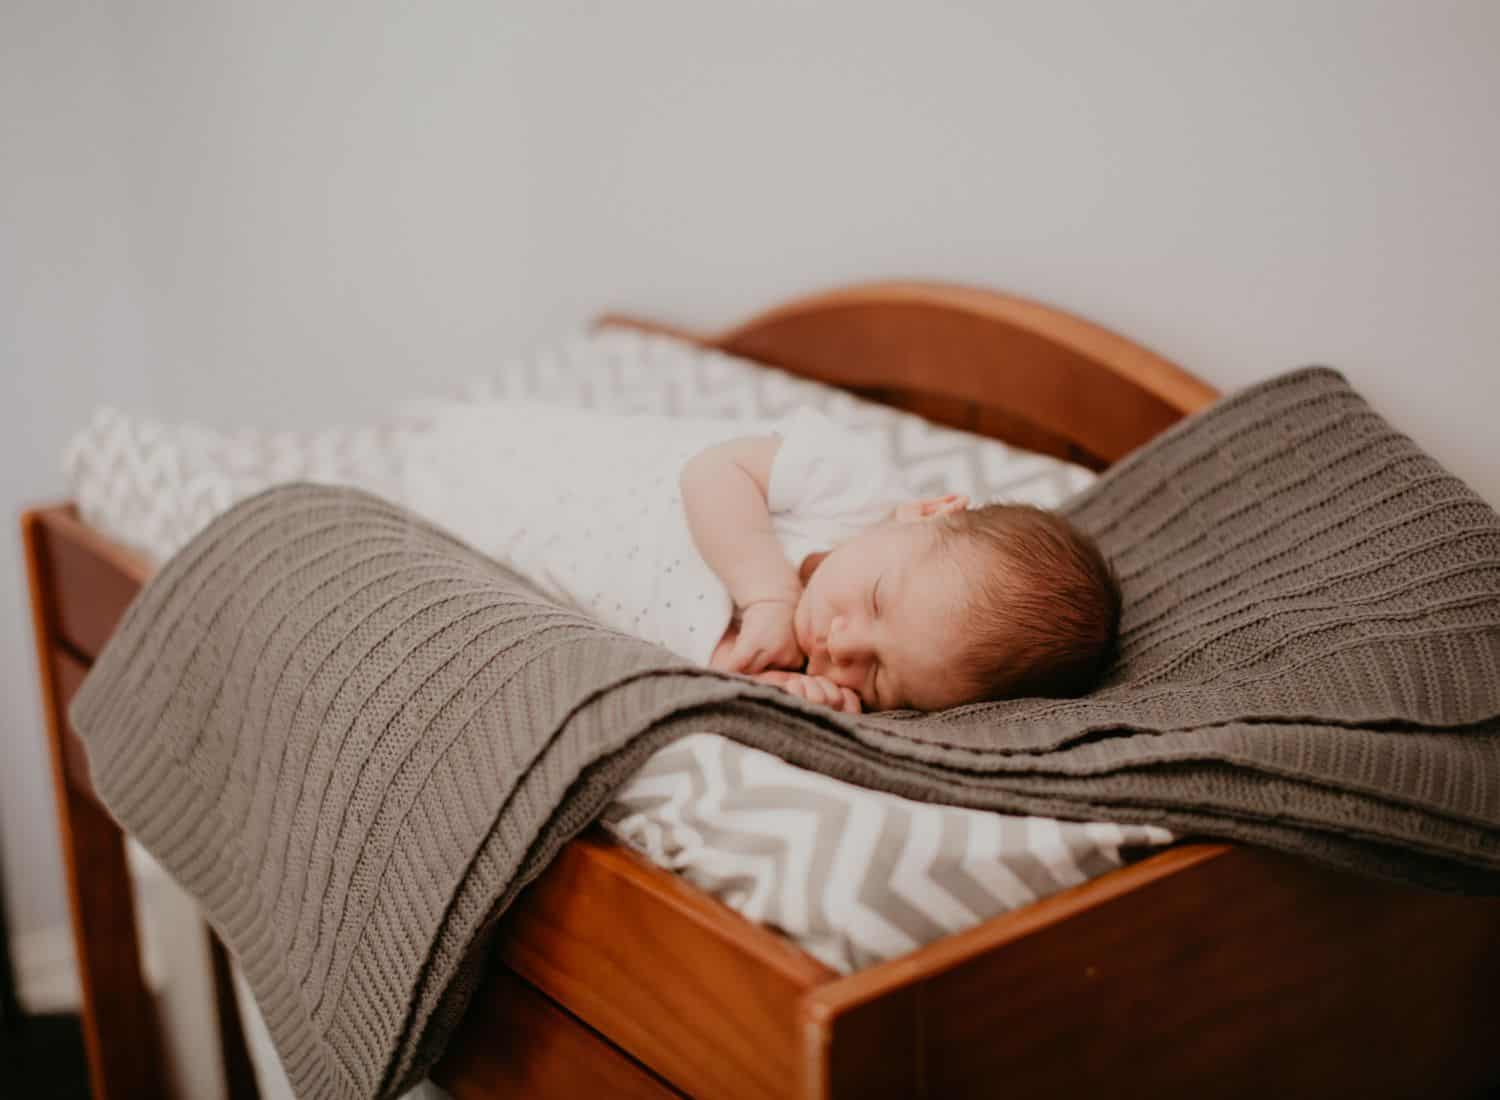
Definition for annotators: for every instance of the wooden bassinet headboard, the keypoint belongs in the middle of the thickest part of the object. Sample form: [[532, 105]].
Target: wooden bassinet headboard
[[990, 363]]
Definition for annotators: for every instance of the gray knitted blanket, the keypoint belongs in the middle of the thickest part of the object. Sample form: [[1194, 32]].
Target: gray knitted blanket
[[354, 739]]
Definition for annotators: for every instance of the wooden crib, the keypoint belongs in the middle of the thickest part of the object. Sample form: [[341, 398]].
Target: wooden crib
[[1205, 970]]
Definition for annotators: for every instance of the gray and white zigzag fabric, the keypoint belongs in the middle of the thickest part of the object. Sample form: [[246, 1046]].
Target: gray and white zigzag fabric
[[853, 876]]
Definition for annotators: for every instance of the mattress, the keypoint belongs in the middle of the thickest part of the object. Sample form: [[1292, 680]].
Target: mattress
[[853, 876]]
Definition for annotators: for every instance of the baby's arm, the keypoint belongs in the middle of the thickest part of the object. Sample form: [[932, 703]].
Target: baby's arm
[[724, 490]]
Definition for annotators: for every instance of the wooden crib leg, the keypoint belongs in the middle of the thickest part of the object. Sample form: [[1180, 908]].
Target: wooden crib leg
[[121, 1033], [120, 1028]]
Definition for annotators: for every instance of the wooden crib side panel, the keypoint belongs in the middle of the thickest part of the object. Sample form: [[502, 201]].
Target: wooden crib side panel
[[1207, 970], [81, 584], [681, 982], [546, 1053], [122, 1038]]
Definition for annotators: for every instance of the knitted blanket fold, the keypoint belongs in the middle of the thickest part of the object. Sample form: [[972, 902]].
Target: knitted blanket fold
[[354, 739]]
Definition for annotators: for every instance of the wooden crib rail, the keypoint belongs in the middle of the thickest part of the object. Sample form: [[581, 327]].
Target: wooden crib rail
[[1002, 366]]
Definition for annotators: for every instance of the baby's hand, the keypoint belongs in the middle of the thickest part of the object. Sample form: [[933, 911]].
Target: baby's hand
[[766, 640], [815, 689]]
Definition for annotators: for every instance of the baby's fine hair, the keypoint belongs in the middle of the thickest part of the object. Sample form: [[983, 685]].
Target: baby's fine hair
[[1045, 615]]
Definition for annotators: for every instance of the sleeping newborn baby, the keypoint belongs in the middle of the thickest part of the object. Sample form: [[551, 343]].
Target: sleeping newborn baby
[[784, 550]]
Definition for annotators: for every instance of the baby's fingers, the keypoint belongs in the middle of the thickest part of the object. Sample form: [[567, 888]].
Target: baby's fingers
[[815, 689], [823, 690], [796, 685], [809, 690]]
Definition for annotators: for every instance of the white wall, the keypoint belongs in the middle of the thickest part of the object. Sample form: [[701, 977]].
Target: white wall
[[72, 332], [304, 209]]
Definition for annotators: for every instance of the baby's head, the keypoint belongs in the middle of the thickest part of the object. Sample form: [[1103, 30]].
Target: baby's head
[[941, 605]]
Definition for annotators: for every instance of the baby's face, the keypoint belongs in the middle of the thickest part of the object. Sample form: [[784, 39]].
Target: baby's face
[[879, 614]]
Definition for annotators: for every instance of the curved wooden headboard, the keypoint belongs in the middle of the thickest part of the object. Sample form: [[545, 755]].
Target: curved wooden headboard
[[987, 362]]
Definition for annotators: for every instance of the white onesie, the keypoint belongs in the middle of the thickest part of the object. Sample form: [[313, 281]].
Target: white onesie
[[586, 504]]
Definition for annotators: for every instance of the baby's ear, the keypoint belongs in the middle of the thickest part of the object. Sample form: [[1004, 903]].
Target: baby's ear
[[909, 510]]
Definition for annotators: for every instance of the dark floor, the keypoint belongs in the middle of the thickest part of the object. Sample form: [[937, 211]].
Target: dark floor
[[41, 1058]]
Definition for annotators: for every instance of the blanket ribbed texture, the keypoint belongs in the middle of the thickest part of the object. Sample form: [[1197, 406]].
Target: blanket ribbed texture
[[353, 739]]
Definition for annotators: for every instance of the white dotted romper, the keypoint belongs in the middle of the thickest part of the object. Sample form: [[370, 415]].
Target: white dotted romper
[[586, 504]]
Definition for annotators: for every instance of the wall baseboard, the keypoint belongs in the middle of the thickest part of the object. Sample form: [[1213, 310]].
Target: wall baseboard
[[46, 972], [46, 968]]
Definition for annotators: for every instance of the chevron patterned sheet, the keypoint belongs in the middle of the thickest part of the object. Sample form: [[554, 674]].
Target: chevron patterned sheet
[[852, 875]]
